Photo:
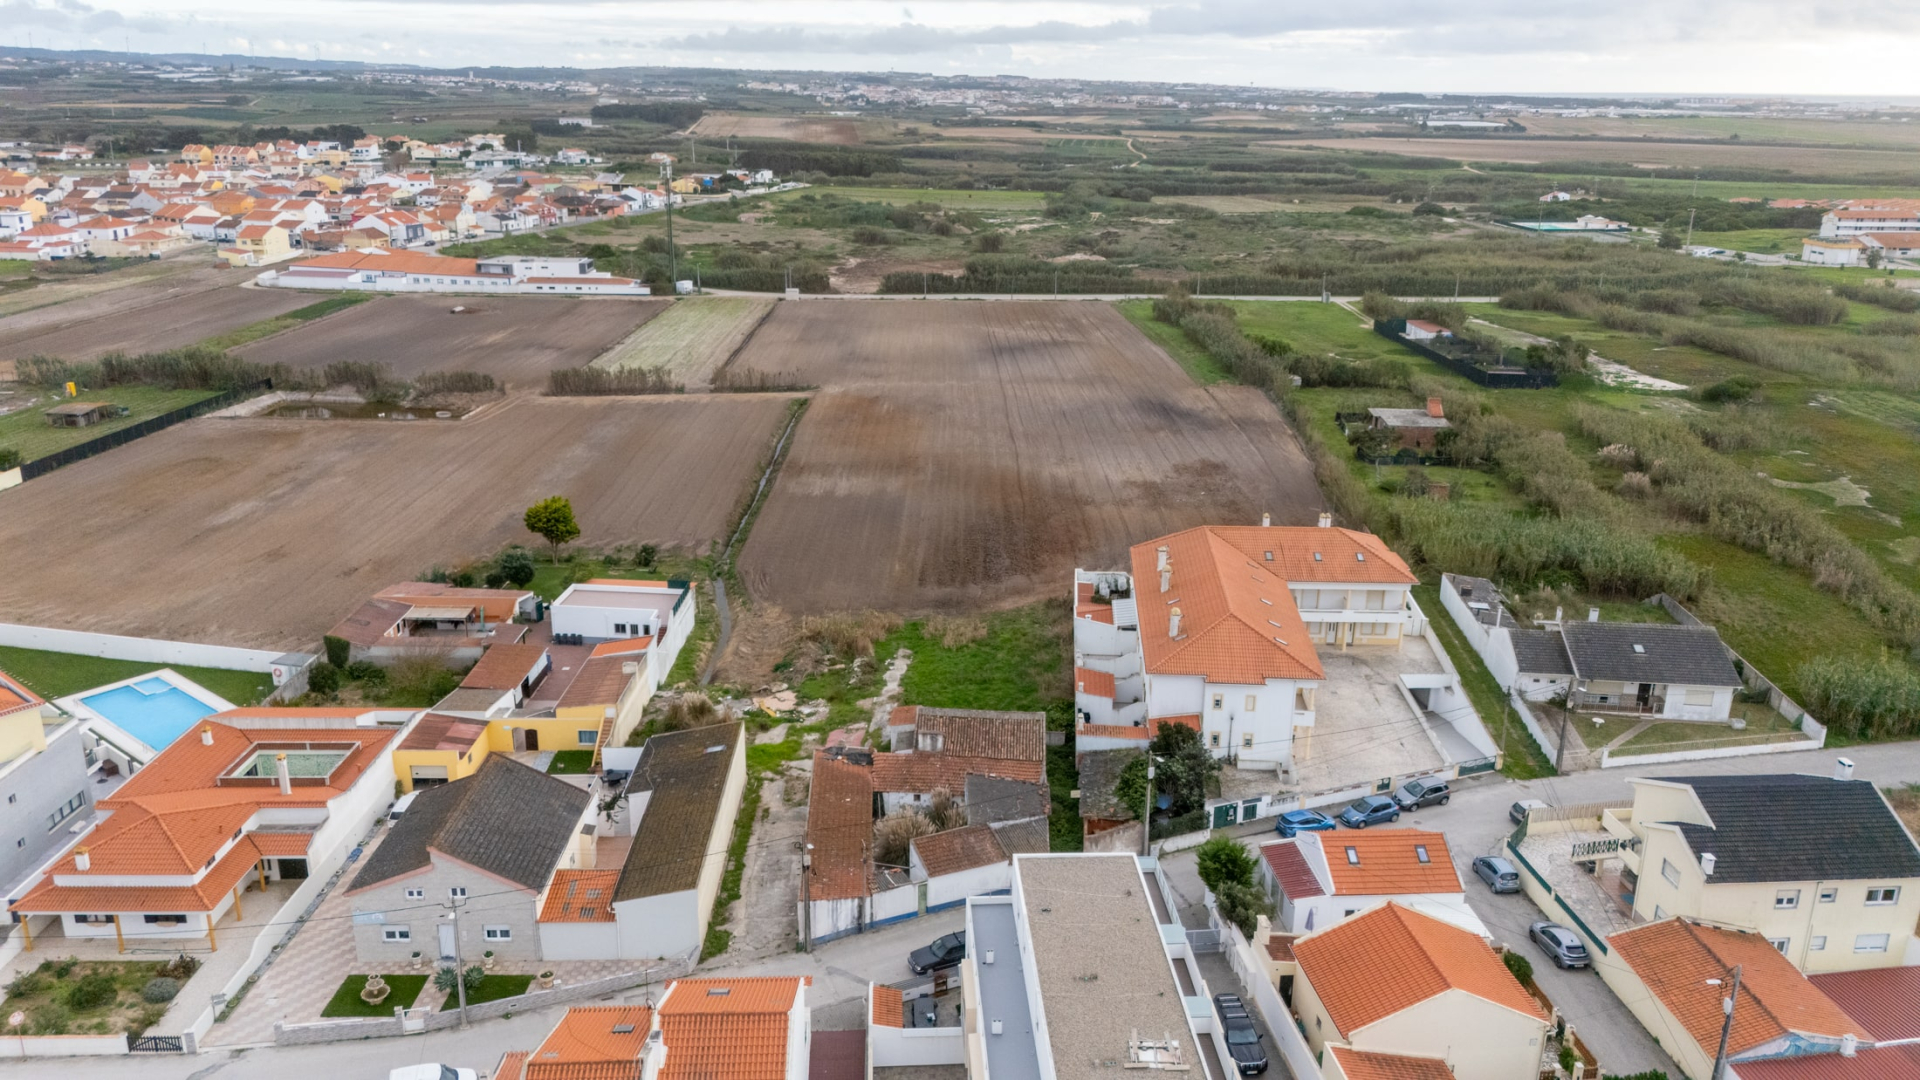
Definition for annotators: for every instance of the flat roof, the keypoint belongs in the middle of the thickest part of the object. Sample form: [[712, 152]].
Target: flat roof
[[1013, 1054]]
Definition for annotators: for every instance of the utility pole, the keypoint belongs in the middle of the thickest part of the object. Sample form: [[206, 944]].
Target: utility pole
[[1146, 812], [673, 262], [459, 973], [806, 894], [1560, 756], [1726, 1025], [1690, 212]]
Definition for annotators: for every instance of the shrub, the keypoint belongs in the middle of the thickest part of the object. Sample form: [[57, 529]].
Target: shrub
[[1737, 388], [1429, 209], [91, 991], [323, 678], [692, 711], [27, 984], [9, 458], [1521, 967], [1567, 1057], [1130, 787], [455, 382], [159, 990], [894, 834], [1224, 860], [848, 634], [955, 631], [1863, 698], [181, 967], [1242, 903], [646, 555], [989, 243], [339, 649], [518, 568], [49, 1018], [448, 979], [870, 235], [419, 681], [365, 671], [604, 382]]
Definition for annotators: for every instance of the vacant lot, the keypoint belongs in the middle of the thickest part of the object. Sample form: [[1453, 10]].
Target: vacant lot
[[26, 429], [265, 532], [1646, 152], [692, 340], [514, 339], [965, 454], [841, 130], [151, 316]]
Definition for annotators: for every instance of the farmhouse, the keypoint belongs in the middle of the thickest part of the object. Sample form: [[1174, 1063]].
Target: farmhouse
[[1316, 881], [384, 270], [425, 616], [1412, 429]]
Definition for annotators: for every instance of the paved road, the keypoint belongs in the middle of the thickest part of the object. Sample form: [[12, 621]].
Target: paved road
[[1100, 297], [1476, 824]]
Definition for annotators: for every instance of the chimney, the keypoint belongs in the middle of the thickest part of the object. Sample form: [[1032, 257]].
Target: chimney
[[81, 860], [1559, 615], [1707, 859], [1164, 562], [286, 777], [1849, 1045], [206, 735], [653, 1056], [1593, 614], [1326, 520], [1434, 410], [1173, 623], [1843, 768], [1266, 521], [1166, 578]]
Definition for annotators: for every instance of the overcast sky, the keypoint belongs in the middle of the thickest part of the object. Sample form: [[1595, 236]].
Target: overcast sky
[[1686, 46]]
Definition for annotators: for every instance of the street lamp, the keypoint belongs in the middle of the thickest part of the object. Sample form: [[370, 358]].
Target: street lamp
[[1726, 1024], [459, 972]]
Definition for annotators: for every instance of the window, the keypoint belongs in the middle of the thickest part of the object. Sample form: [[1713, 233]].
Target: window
[[1659, 913], [1213, 739], [458, 892], [396, 933], [1353, 856], [1670, 872], [1817, 943], [1699, 697], [1420, 852], [180, 920], [66, 811], [1246, 741], [587, 737], [416, 894], [1870, 943], [1786, 899], [499, 933], [1252, 701], [102, 919], [1219, 700], [1885, 895], [1828, 896], [619, 628], [1779, 944]]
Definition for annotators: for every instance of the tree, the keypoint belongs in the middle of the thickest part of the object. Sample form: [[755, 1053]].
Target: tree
[[323, 678], [552, 520], [1873, 258], [339, 651], [1242, 904], [1184, 768], [1224, 861], [1130, 788], [517, 567], [1521, 967], [1669, 237]]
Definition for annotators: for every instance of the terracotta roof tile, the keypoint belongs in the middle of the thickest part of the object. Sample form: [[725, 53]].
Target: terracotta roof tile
[[209, 893], [580, 896], [600, 681], [503, 667], [512, 1066], [438, 731], [888, 1007], [1889, 1063], [1363, 1065], [1389, 862], [839, 824], [1012, 736], [1097, 683], [924, 771], [727, 1029], [1291, 869], [1392, 958], [1115, 731], [593, 1042], [14, 696], [1883, 1000], [959, 849], [1280, 946]]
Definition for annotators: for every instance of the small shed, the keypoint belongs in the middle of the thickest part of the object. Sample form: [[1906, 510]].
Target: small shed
[[83, 413], [1413, 429]]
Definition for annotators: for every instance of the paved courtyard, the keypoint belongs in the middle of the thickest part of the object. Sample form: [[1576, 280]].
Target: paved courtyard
[[1364, 729]]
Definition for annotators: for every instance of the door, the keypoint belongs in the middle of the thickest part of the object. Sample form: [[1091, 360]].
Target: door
[[446, 941], [533, 739], [1224, 815], [1645, 697], [923, 898], [293, 869]]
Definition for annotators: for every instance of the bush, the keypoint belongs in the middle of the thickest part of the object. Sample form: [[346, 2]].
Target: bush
[[181, 967], [848, 634], [692, 711], [518, 568], [447, 980], [604, 382], [894, 834], [9, 458], [990, 243], [1223, 861], [91, 991], [365, 671], [455, 382], [323, 678], [159, 990], [1863, 698], [1241, 903], [1429, 209], [339, 649], [1521, 967], [1568, 1057], [1738, 388]]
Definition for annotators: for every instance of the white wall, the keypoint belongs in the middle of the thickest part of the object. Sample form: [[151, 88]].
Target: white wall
[[149, 650], [658, 927], [951, 888], [894, 1047], [834, 917], [579, 940], [59, 1046]]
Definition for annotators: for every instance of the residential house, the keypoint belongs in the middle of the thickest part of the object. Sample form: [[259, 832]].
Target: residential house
[[1880, 1001], [610, 609], [44, 774], [442, 747], [945, 747], [262, 244], [1853, 221], [490, 844], [1317, 880], [601, 707], [1395, 981], [1412, 429], [743, 1028], [501, 681], [380, 270], [423, 616], [973, 860], [1893, 245], [682, 799], [1845, 251], [837, 867]]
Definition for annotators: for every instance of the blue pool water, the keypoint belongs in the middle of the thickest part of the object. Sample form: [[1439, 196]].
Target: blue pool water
[[152, 710]]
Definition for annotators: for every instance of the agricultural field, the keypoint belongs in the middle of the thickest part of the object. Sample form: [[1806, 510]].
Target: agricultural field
[[150, 316], [962, 455], [835, 130], [265, 532], [517, 340], [1641, 152], [692, 340]]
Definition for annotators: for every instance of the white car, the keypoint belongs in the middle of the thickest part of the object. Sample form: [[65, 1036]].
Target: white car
[[432, 1072]]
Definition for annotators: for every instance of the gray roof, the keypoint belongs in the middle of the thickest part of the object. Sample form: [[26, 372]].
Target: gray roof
[[1790, 827], [1649, 653], [686, 771], [1540, 652], [1099, 772], [1025, 837], [1409, 418], [992, 798], [511, 820]]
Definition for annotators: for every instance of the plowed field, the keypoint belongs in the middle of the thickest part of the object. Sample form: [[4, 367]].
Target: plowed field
[[971, 454], [266, 532], [152, 316]]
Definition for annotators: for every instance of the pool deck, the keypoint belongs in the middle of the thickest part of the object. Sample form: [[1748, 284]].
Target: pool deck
[[129, 742]]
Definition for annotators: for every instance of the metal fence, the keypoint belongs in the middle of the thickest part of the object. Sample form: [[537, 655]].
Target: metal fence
[[157, 1044], [104, 443], [1494, 378]]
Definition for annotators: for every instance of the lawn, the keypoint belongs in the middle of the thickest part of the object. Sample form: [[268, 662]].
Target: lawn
[[1764, 725], [570, 762], [346, 1000], [1521, 758], [1006, 660], [1757, 241], [491, 988], [57, 674], [1319, 329], [1198, 363], [28, 432], [66, 997]]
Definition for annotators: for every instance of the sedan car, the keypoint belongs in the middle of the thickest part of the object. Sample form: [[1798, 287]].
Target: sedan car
[[1498, 873], [1294, 822], [1415, 794], [1561, 944], [944, 953], [1243, 1038], [1517, 813], [1369, 810]]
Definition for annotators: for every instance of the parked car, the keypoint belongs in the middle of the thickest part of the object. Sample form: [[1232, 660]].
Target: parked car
[[1369, 810], [1243, 1038], [432, 1072], [944, 953], [1415, 794], [1498, 873], [1561, 944], [1517, 813], [1294, 822], [401, 806]]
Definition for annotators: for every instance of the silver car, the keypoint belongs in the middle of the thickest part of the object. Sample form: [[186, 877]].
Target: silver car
[[1561, 944], [1498, 873]]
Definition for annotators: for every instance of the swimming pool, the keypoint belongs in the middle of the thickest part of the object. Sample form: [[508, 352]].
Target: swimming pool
[[152, 710]]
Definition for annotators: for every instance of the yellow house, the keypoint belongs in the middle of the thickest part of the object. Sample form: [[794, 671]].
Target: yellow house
[[687, 185], [603, 704], [29, 204], [441, 748], [194, 153], [21, 730], [264, 243], [1397, 982]]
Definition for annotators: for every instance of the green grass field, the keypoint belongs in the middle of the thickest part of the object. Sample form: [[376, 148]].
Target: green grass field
[[491, 988], [570, 762], [28, 432], [1198, 363], [957, 200], [1756, 241], [404, 991], [55, 674]]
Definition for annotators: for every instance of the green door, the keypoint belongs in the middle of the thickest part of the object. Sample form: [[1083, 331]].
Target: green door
[[1225, 815]]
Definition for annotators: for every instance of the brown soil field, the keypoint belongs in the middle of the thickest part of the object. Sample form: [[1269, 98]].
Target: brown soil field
[[515, 339], [840, 130], [968, 454], [1642, 152], [150, 316], [265, 533]]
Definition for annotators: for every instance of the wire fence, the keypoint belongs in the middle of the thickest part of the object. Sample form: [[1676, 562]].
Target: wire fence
[[102, 444]]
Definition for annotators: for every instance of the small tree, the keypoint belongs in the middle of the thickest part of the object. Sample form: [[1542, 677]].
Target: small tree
[[647, 553], [551, 519], [1242, 904], [1224, 861], [1130, 788], [9, 458], [339, 651], [517, 566], [1521, 967], [323, 678]]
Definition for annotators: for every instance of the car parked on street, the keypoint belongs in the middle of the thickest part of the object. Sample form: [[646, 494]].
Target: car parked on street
[[1243, 1038], [944, 952], [1561, 944], [1498, 873], [1415, 794], [1517, 813], [1295, 822], [1369, 810]]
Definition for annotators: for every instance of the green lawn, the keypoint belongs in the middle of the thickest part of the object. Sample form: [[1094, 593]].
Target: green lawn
[[491, 988], [959, 200], [1198, 363], [57, 674], [1019, 662], [1318, 329], [28, 432], [1758, 241], [346, 1000], [567, 762], [1763, 726]]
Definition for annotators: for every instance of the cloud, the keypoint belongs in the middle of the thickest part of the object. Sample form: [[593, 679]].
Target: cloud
[[906, 39]]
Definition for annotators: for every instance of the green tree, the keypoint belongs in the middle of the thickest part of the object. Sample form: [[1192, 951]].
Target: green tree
[[1670, 237], [1521, 967], [1184, 768], [517, 567], [9, 458], [552, 520], [1241, 904], [339, 651], [323, 678], [1224, 861], [1130, 790]]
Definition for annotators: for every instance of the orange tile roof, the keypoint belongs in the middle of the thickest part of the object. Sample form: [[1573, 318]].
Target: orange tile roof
[[622, 646], [959, 849], [727, 1029], [839, 825], [593, 1042], [282, 844], [504, 667], [1115, 731], [1362, 1065], [512, 1066], [207, 895], [14, 696], [395, 262], [1389, 862], [1882, 999], [925, 771], [1392, 958], [1097, 683], [438, 731], [1280, 947], [1675, 958], [888, 1007], [580, 896]]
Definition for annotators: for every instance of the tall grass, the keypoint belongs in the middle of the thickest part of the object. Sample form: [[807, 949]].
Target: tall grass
[[606, 382], [1877, 698]]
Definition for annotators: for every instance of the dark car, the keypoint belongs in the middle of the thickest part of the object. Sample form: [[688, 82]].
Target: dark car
[[1517, 813], [1415, 794], [1498, 873], [1294, 822], [1561, 944], [1369, 810], [1243, 1038], [944, 953]]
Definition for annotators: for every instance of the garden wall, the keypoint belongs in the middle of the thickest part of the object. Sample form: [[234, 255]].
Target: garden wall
[[60, 1046], [153, 650]]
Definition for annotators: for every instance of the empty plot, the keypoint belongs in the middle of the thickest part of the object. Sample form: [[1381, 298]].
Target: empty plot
[[148, 317], [1642, 152], [840, 130], [514, 339], [692, 340], [967, 454], [266, 532]]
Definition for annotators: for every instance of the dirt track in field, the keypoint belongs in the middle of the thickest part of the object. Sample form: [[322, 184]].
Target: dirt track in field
[[961, 455], [148, 316], [265, 533], [515, 339]]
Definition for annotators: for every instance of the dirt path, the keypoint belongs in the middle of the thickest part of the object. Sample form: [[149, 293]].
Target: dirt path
[[765, 921]]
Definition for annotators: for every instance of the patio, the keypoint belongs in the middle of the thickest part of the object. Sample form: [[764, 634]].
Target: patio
[[1601, 898], [1364, 728]]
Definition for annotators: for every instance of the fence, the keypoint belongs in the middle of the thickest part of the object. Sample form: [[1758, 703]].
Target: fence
[[327, 1031], [101, 444], [59, 1046], [1501, 378], [1750, 675], [1287, 1037]]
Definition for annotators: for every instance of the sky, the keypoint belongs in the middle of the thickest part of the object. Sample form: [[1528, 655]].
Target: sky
[[1730, 47]]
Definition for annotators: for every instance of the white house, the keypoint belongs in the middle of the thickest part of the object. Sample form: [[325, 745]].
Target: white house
[[1317, 880], [612, 609], [1833, 252], [1853, 221]]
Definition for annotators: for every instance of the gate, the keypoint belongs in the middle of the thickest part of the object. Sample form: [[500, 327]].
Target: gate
[[157, 1044]]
